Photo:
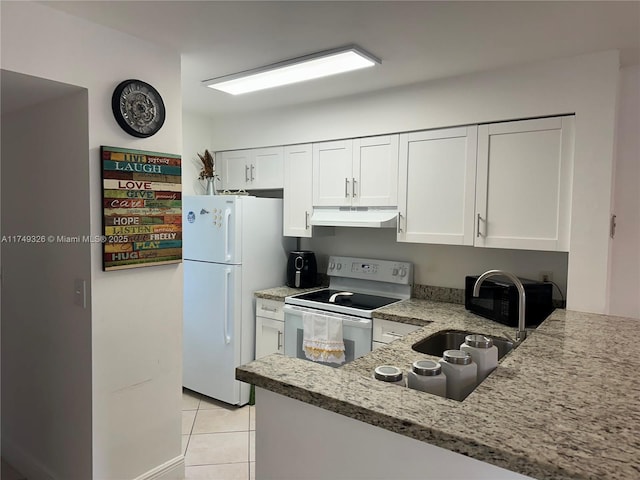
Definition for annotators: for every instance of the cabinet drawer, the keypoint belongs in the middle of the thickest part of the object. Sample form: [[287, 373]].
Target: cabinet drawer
[[385, 331], [269, 309], [269, 336]]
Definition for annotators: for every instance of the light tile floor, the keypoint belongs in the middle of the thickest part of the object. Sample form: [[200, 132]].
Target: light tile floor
[[218, 440]]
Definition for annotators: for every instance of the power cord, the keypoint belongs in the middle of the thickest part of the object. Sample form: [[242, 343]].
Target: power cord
[[559, 291]]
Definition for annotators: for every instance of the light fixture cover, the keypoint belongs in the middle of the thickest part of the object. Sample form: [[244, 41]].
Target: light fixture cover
[[308, 67]]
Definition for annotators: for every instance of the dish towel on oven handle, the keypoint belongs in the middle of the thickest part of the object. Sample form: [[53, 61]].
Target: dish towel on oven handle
[[322, 340]]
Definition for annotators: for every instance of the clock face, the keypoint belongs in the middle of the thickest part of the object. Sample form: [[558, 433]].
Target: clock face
[[138, 108]]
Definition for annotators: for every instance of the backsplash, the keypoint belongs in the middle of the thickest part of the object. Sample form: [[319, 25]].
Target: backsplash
[[438, 294], [452, 295], [443, 266], [434, 293]]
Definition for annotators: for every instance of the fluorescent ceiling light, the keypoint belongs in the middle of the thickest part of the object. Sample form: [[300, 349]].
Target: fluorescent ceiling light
[[316, 65]]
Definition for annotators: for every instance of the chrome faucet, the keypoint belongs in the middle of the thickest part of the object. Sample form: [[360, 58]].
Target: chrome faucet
[[521, 334]]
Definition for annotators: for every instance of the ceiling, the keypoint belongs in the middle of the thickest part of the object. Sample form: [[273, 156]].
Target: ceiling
[[417, 41]]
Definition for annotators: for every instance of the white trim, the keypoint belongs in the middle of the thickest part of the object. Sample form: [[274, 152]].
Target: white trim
[[171, 470]]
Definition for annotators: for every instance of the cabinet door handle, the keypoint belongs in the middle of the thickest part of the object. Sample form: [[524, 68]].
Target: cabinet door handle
[[252, 167], [353, 187], [279, 339], [268, 309], [246, 173], [478, 226], [346, 187], [306, 220], [399, 220]]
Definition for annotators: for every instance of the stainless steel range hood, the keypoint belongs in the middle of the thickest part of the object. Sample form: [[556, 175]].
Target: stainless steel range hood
[[381, 217]]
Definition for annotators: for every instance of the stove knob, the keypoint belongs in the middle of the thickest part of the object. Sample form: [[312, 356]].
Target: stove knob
[[395, 272], [332, 266], [403, 272], [339, 266]]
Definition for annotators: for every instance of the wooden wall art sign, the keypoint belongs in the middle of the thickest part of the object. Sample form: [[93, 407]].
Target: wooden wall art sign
[[142, 208]]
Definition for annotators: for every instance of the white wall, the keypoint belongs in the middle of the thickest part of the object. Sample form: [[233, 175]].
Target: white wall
[[46, 339], [584, 85], [625, 261], [136, 314], [196, 133]]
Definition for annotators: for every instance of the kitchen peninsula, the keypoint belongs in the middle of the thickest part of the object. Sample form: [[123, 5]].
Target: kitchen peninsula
[[560, 406]]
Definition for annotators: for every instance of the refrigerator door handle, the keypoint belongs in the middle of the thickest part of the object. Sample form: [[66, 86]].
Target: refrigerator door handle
[[227, 232], [227, 278]]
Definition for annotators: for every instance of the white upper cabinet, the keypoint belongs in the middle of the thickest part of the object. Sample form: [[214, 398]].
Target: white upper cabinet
[[502, 185], [252, 169], [436, 190], [297, 190], [375, 171], [332, 173], [234, 169], [523, 192], [267, 168], [360, 172]]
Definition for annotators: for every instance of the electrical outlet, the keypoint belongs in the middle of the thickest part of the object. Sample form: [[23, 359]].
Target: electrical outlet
[[545, 276]]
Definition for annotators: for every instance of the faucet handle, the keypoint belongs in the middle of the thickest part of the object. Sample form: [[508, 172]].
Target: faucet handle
[[521, 335]]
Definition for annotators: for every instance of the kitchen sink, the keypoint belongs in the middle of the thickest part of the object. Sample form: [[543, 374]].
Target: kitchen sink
[[437, 343]]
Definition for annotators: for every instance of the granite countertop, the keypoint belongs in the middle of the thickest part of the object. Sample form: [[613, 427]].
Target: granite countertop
[[556, 407], [278, 293]]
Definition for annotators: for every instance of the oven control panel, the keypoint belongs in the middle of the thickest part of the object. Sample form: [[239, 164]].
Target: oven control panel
[[368, 269]]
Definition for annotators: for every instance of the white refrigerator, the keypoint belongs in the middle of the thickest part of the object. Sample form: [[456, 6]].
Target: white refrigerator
[[232, 246]]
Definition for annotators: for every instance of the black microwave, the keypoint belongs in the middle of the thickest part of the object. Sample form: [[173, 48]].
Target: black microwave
[[498, 300]]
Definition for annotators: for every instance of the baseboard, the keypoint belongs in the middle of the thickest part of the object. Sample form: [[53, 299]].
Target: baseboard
[[24, 462], [171, 470], [32, 469]]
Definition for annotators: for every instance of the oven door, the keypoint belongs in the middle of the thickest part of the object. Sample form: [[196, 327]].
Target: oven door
[[356, 333]]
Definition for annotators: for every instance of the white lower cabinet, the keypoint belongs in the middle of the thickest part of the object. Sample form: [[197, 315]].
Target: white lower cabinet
[[386, 331], [269, 327]]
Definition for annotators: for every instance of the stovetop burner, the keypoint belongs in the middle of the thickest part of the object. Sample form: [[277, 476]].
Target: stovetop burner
[[358, 286], [360, 301]]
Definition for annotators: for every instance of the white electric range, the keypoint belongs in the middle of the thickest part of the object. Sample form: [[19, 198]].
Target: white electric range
[[357, 287]]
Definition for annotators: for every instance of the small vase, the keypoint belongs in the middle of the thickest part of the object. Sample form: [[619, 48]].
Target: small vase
[[211, 186]]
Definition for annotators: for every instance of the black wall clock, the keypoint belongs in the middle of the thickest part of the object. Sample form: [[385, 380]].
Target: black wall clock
[[138, 108]]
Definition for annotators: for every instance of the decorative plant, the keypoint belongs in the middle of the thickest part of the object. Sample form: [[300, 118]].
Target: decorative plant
[[208, 166]]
